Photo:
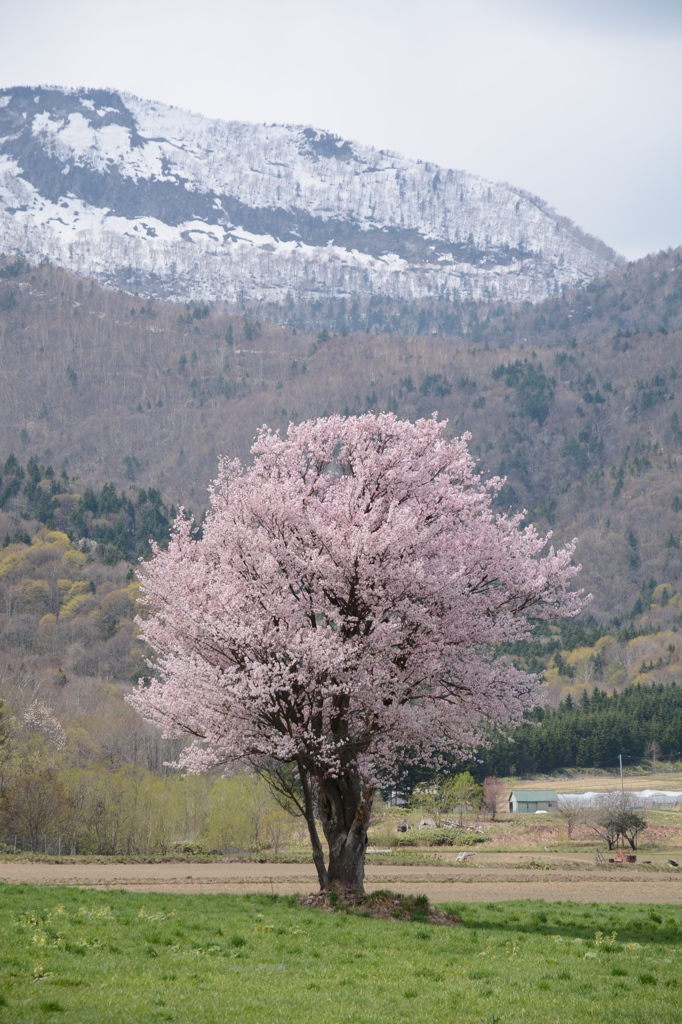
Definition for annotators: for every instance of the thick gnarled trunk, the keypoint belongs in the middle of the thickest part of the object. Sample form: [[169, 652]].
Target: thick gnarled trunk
[[345, 808]]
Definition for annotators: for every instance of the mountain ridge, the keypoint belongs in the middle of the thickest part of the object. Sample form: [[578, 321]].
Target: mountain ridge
[[174, 205]]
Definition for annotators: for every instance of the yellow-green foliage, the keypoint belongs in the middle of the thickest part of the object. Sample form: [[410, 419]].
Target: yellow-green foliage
[[15, 561], [242, 815], [130, 810], [119, 604], [651, 657], [12, 563], [72, 606], [35, 594], [661, 590], [72, 589], [52, 537], [74, 596], [57, 602], [73, 561]]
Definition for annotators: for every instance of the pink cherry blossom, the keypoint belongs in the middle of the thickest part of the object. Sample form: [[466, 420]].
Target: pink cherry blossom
[[339, 616]]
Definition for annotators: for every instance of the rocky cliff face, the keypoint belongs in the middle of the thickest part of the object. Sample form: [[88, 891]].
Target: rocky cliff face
[[170, 204]]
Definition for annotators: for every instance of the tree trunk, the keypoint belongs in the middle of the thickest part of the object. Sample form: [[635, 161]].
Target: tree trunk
[[318, 853], [344, 812]]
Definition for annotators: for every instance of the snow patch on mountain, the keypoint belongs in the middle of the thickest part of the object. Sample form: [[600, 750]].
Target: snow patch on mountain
[[172, 204]]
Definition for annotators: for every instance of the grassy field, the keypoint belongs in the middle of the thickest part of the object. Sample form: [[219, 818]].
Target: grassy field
[[583, 780], [69, 955]]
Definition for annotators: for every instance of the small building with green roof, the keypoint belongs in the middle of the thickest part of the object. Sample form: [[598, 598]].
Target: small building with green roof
[[529, 801]]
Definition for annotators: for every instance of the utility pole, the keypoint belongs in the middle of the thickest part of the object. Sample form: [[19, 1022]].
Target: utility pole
[[622, 791]]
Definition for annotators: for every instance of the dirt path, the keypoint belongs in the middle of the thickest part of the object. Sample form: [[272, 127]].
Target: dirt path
[[441, 883]]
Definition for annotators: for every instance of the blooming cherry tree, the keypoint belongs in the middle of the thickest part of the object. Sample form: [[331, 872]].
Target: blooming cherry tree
[[339, 615]]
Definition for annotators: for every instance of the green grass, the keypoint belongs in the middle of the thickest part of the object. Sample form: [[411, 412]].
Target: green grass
[[71, 955]]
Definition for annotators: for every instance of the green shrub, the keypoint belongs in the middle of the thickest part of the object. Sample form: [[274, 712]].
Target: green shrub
[[439, 837]]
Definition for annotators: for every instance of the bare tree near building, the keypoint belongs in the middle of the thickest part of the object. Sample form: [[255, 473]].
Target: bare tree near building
[[493, 791], [601, 818], [572, 811]]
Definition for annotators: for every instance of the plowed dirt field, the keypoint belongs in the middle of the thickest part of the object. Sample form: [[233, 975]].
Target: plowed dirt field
[[491, 877]]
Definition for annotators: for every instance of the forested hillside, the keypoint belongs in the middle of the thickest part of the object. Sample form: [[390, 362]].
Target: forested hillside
[[118, 526], [635, 299], [577, 401], [67, 615]]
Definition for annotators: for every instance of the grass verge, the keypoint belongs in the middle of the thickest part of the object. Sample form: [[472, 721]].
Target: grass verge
[[70, 955]]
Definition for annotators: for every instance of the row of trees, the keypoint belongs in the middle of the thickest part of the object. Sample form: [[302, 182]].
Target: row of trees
[[592, 732], [49, 803]]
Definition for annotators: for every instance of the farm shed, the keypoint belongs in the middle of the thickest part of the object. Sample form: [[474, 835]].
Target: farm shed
[[528, 801]]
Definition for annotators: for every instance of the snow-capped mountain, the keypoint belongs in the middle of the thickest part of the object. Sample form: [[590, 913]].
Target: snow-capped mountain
[[167, 203]]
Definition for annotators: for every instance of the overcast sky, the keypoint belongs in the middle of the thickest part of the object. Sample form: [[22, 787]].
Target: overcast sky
[[579, 102]]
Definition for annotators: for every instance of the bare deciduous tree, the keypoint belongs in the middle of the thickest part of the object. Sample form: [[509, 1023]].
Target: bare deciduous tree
[[493, 794], [653, 751], [572, 811], [615, 821], [35, 806]]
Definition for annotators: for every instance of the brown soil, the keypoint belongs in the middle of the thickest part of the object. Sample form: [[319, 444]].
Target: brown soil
[[487, 878]]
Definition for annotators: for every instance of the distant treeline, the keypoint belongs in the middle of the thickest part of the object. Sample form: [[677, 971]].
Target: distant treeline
[[592, 733], [597, 307]]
